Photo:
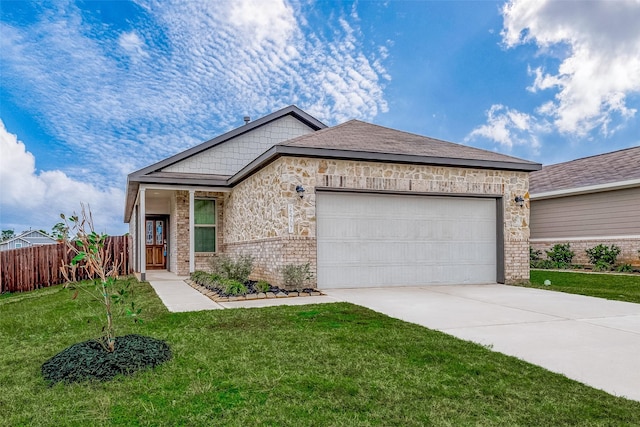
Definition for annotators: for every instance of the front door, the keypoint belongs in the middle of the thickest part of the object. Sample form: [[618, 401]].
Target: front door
[[156, 242]]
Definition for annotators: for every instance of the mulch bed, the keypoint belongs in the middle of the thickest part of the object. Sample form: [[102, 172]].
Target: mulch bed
[[252, 294]]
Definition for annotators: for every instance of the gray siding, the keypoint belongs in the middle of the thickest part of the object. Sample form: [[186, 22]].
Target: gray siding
[[610, 213], [234, 154]]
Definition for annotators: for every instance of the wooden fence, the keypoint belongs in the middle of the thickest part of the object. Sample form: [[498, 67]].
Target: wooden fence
[[36, 267]]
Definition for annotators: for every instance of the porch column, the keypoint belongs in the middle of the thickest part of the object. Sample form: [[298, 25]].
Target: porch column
[[142, 226], [192, 233]]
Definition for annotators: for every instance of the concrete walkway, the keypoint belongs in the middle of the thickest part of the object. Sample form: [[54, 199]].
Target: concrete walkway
[[178, 296], [591, 340]]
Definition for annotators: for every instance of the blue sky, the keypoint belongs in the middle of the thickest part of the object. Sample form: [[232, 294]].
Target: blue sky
[[91, 91]]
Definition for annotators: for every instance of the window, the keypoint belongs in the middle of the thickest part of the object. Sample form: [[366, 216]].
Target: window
[[205, 225], [18, 245]]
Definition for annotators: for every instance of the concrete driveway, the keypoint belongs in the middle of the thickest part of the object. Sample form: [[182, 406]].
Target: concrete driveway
[[591, 340]]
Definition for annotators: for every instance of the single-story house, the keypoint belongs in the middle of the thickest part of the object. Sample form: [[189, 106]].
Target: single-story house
[[26, 239], [589, 201], [364, 205]]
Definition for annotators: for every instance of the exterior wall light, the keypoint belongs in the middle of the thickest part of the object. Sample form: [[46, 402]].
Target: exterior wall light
[[519, 201], [300, 191]]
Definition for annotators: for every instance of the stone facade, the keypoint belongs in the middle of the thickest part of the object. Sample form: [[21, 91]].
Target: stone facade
[[257, 211], [628, 254]]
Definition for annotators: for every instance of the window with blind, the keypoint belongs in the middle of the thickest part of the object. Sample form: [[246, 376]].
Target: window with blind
[[205, 225]]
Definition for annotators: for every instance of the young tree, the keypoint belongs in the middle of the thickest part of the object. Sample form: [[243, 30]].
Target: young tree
[[91, 252]]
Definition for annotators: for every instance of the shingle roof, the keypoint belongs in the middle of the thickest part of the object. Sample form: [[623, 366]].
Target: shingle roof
[[617, 166], [357, 136]]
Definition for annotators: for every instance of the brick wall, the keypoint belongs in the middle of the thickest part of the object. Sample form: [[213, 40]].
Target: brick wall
[[182, 233], [272, 254], [180, 216]]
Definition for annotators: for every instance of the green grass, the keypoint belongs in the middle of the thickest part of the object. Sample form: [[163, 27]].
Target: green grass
[[609, 286], [328, 364]]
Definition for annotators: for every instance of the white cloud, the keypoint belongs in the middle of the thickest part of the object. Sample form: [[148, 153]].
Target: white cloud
[[42, 196], [510, 127], [127, 97], [260, 21], [133, 45], [601, 66]]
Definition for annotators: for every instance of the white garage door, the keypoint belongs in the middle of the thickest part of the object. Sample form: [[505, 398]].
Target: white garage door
[[367, 240]]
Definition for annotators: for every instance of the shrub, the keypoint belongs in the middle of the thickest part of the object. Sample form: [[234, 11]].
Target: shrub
[[90, 361], [262, 286], [534, 256], [232, 287], [200, 277], [624, 268], [237, 269], [205, 279], [296, 275], [602, 266], [545, 264], [603, 257], [561, 255]]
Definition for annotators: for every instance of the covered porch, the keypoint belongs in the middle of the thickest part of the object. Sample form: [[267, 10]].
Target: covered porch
[[175, 228]]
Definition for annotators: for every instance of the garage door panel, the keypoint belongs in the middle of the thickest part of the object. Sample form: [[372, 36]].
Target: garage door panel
[[386, 240]]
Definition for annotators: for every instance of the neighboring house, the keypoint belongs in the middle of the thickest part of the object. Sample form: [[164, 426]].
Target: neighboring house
[[364, 205], [589, 201], [26, 239]]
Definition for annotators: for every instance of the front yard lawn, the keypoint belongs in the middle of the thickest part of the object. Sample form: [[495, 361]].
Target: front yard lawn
[[327, 364], [609, 286]]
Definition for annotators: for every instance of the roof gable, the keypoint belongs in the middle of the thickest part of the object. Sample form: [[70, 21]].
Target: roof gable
[[608, 168], [180, 161], [235, 153], [34, 234]]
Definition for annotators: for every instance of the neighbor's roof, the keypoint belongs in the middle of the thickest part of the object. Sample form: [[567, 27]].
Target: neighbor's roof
[[609, 168], [34, 237]]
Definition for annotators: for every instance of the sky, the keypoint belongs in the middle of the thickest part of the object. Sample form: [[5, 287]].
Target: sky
[[91, 91]]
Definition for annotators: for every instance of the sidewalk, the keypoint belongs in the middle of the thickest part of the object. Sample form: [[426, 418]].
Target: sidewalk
[[178, 296]]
